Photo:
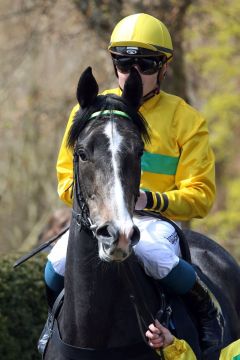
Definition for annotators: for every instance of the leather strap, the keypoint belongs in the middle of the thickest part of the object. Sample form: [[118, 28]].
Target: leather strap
[[119, 353]]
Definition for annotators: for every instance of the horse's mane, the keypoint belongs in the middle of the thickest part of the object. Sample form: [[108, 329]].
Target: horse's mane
[[101, 103]]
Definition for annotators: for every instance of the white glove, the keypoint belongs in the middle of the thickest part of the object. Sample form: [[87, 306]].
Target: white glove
[[141, 201]]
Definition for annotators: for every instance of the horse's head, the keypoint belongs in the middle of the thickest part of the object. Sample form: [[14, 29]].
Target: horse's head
[[108, 137]]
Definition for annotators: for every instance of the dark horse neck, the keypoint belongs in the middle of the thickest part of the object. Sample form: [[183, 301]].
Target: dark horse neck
[[97, 311]]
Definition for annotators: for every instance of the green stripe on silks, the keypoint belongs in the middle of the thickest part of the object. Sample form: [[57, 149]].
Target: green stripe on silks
[[159, 164], [236, 357]]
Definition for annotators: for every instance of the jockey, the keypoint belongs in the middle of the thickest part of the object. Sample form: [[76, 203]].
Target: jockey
[[176, 349], [177, 172]]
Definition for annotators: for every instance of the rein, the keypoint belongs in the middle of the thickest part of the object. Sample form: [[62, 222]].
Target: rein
[[139, 302]]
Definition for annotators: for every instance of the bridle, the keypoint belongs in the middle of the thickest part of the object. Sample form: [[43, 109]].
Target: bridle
[[82, 217], [84, 222]]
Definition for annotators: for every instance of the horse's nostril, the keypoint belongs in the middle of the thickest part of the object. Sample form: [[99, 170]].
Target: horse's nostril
[[110, 235], [135, 236], [103, 231], [108, 232]]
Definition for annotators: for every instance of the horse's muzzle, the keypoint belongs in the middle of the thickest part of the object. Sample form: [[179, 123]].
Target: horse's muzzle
[[116, 245]]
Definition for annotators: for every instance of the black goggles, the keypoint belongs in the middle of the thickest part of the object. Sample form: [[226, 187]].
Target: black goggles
[[147, 65]]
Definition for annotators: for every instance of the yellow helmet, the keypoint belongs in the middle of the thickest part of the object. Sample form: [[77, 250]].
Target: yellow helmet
[[141, 31]]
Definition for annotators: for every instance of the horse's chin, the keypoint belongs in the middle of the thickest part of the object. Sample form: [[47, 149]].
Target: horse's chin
[[113, 255]]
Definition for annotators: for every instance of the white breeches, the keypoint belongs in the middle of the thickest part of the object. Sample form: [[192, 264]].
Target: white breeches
[[158, 248]]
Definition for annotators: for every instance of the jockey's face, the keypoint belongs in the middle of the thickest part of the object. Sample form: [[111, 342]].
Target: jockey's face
[[149, 81]]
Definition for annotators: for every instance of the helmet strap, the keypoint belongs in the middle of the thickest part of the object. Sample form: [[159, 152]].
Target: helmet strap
[[151, 94], [115, 70], [154, 91]]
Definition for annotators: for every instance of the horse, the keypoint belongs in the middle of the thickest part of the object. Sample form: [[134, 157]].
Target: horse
[[109, 301]]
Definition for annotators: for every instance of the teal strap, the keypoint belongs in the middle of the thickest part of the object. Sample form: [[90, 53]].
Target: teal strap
[[110, 112], [159, 164]]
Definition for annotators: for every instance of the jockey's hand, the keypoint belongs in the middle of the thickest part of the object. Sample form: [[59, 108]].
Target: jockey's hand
[[141, 201], [159, 336]]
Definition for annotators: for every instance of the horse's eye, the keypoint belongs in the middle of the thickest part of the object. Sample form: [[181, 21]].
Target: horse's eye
[[82, 155]]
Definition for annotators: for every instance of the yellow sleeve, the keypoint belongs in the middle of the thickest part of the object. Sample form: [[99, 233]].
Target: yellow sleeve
[[179, 350], [231, 352], [64, 165], [195, 177]]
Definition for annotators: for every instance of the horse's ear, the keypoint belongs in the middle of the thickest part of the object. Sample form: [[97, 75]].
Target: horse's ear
[[87, 89], [133, 89]]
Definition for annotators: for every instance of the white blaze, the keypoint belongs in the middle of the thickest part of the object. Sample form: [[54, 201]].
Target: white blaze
[[121, 213]]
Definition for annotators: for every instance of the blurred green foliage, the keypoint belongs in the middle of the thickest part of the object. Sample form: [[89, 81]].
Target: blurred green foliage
[[23, 308], [213, 52]]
